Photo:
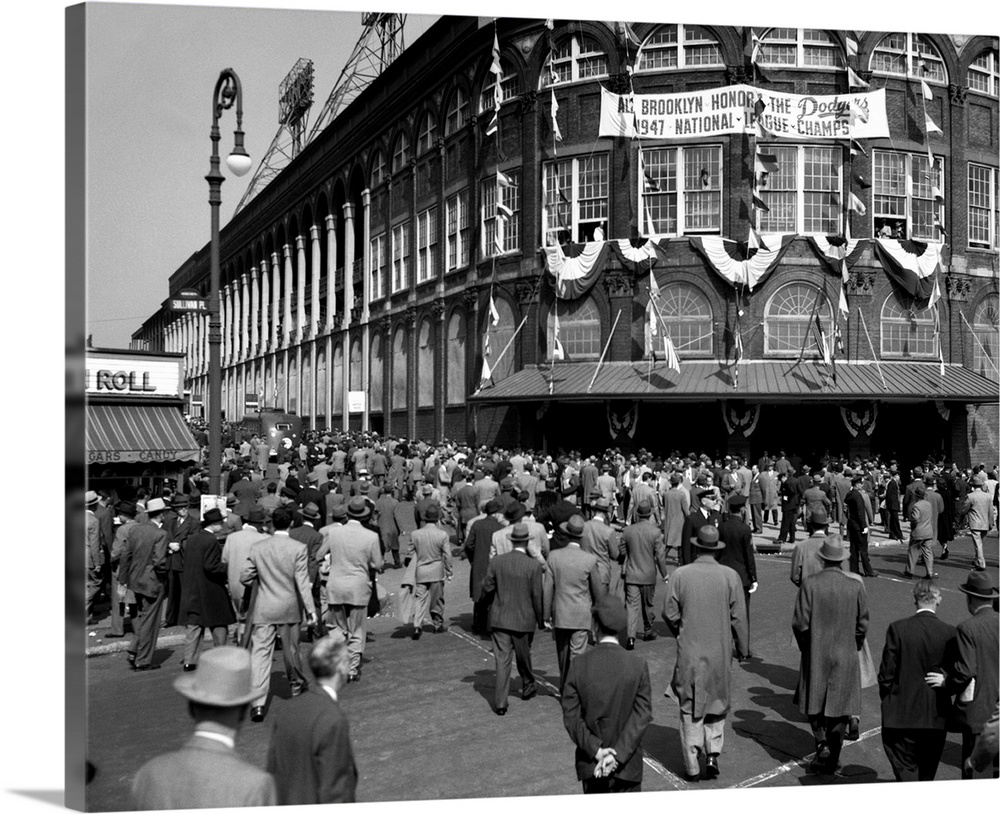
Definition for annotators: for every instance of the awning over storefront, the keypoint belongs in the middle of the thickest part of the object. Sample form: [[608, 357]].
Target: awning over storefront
[[122, 433], [765, 381]]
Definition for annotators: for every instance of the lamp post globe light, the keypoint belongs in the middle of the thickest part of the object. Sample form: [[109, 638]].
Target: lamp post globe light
[[228, 92]]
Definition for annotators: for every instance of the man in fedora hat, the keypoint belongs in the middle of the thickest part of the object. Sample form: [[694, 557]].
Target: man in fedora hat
[[644, 555], [607, 705], [306, 531], [805, 555], [122, 599], [354, 554], [705, 610], [572, 586], [278, 567], [513, 582], [143, 569], [830, 624], [235, 551], [980, 515], [478, 543], [603, 541], [972, 675], [310, 754], [95, 553], [206, 772], [676, 508], [432, 549], [738, 553], [706, 513], [180, 521], [923, 528], [203, 585]]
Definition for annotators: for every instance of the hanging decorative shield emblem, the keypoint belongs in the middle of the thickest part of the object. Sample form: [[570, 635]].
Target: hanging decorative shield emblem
[[622, 418], [740, 416], [861, 419]]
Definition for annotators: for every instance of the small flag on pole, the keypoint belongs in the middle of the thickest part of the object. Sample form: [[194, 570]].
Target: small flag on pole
[[765, 162], [495, 67], [926, 90], [929, 124], [856, 113], [843, 300], [494, 315], [936, 192], [502, 180], [504, 211], [852, 46], [668, 350], [626, 36], [759, 204], [557, 349], [494, 124], [855, 81], [487, 374], [856, 148], [857, 205], [935, 295], [556, 133], [861, 181]]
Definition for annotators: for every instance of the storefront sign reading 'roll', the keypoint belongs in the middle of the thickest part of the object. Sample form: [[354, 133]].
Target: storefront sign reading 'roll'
[[739, 109], [132, 376]]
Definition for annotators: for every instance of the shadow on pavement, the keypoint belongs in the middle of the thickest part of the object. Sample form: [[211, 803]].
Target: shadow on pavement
[[663, 745], [851, 773], [483, 682], [775, 674], [782, 741]]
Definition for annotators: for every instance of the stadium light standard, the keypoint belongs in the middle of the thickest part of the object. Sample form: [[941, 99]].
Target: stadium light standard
[[228, 91]]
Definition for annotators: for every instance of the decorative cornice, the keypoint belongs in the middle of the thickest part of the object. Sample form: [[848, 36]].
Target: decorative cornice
[[525, 292], [958, 287], [618, 283], [356, 313], [410, 316], [471, 297], [861, 282], [385, 324], [959, 94], [438, 308], [527, 101]]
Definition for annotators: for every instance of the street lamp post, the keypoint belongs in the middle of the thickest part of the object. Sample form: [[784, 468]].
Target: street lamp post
[[227, 92]]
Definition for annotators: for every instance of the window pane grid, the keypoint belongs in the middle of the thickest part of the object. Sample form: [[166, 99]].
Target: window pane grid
[[789, 318], [985, 326], [907, 332], [579, 329], [983, 75], [661, 50]]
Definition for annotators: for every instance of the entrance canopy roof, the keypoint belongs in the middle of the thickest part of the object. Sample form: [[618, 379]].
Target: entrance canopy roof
[[126, 433], [764, 381]]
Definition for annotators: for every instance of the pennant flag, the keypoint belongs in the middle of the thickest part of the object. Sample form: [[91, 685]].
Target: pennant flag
[[654, 289], [940, 226], [861, 181], [936, 192], [856, 148], [822, 344], [502, 180], [504, 211], [495, 67], [759, 204], [557, 348], [753, 239], [649, 183], [852, 46], [857, 205], [626, 36], [926, 89], [937, 327], [556, 134], [856, 113], [853, 80], [670, 352], [765, 162], [935, 295], [494, 313], [929, 124], [494, 124], [842, 305], [763, 132], [487, 374]]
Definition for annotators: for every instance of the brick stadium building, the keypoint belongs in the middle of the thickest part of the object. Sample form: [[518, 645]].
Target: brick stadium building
[[399, 197]]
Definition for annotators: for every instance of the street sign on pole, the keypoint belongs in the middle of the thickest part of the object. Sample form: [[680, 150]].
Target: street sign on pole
[[188, 304], [252, 402]]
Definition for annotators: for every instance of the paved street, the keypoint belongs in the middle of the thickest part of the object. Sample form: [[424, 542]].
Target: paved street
[[421, 719]]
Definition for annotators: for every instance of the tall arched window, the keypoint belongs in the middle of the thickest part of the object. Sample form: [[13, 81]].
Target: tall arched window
[[376, 376], [458, 112], [579, 329], [427, 134], [907, 331], [401, 154], [321, 382], [985, 325], [911, 55], [508, 87], [338, 379], [984, 73], [355, 361], [799, 47], [455, 369], [308, 383], [576, 58], [425, 365], [672, 47], [789, 320], [399, 369], [687, 316], [378, 169], [279, 386], [499, 335]]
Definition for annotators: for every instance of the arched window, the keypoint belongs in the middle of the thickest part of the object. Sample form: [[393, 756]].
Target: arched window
[[984, 73], [508, 87], [293, 387], [378, 169], [985, 325], [375, 377], [399, 369], [907, 331], [338, 379], [672, 47], [321, 382], [427, 134], [687, 316], [458, 112], [579, 329], [279, 386], [790, 317], [455, 369], [908, 55], [800, 48], [308, 383], [499, 335], [576, 58], [425, 365], [401, 155], [355, 362]]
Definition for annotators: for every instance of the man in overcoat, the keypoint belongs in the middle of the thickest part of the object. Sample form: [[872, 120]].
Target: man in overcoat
[[477, 550], [430, 545], [830, 624], [235, 551], [603, 541], [385, 517], [644, 555], [707, 513], [205, 601], [676, 508], [607, 705], [143, 570], [892, 507], [738, 554], [705, 610]]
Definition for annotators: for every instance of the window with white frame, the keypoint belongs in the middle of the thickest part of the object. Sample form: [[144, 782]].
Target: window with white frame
[[907, 195], [427, 134], [984, 217], [574, 198], [800, 48], [501, 234], [508, 87], [984, 73], [337, 394], [579, 329], [401, 155], [500, 336], [378, 169], [456, 358], [681, 190], [576, 58], [986, 327], [427, 244], [804, 194], [376, 265], [671, 47], [790, 319], [354, 371], [425, 365], [399, 354], [401, 257], [375, 374], [457, 213], [686, 314], [907, 331], [458, 112], [908, 55]]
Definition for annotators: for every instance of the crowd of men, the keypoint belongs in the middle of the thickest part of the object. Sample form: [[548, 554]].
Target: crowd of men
[[571, 543]]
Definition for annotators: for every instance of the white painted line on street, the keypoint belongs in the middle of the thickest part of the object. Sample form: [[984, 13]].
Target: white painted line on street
[[884, 577], [802, 762], [675, 780]]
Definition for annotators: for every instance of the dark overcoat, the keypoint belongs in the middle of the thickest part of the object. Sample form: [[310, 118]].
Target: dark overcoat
[[204, 594]]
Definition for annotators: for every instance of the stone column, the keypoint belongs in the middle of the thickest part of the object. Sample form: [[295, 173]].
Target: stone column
[[254, 312], [317, 259], [237, 321], [411, 372], [440, 369], [366, 287], [275, 299], [329, 367], [473, 351], [286, 323], [331, 277], [224, 321], [300, 289], [348, 261], [265, 305], [245, 318]]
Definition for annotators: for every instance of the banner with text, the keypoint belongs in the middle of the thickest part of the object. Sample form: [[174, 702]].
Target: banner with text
[[736, 109]]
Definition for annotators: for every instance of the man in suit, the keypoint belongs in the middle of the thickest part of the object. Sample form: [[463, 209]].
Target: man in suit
[[513, 583], [892, 506], [354, 555], [602, 541], [122, 599], [206, 772], [235, 551], [95, 551], [980, 516], [477, 550], [206, 601], [788, 492], [805, 555], [306, 530], [430, 545], [607, 706], [180, 521], [280, 570], [645, 553], [922, 531], [914, 715], [738, 555], [705, 610], [143, 570], [676, 508], [858, 519], [707, 513], [830, 624], [972, 674], [814, 497], [246, 493], [310, 754], [572, 586], [385, 518]]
